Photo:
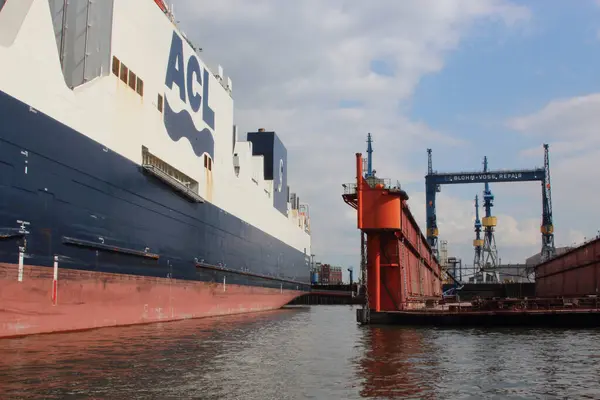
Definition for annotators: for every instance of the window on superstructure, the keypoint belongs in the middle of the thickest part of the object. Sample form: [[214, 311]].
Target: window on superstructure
[[115, 66], [132, 79], [209, 164], [160, 103], [140, 86], [124, 73], [205, 161]]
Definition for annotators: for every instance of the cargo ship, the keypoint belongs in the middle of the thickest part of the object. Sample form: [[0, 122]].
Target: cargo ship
[[126, 195]]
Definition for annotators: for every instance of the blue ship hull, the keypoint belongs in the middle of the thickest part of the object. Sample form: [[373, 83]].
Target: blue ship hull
[[98, 211]]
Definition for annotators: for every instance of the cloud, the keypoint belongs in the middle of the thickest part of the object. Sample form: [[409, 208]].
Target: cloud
[[568, 120], [318, 52], [516, 239], [294, 63], [570, 127]]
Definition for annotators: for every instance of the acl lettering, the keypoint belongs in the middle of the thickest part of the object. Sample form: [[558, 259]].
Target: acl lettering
[[184, 76]]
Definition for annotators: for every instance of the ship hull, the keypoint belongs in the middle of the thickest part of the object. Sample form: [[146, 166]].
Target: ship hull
[[86, 300], [65, 190], [127, 244]]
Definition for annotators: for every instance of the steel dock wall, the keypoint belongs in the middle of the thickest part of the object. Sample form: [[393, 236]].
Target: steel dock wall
[[574, 273], [401, 271]]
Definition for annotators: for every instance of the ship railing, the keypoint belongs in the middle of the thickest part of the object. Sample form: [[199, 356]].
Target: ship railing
[[174, 183], [372, 181], [349, 188]]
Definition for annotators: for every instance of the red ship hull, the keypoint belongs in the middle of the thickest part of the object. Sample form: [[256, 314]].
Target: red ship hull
[[85, 300]]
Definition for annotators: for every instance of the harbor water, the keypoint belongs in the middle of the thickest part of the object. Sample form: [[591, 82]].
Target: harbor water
[[314, 352]]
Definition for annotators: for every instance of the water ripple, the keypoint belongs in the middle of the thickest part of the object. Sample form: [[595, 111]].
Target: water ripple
[[302, 353]]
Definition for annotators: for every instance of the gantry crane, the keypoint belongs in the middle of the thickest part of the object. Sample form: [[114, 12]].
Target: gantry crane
[[434, 180], [548, 249]]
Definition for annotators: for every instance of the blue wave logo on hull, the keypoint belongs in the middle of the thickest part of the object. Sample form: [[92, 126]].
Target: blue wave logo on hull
[[181, 124]]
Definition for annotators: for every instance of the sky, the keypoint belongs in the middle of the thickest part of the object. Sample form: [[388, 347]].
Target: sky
[[466, 78]]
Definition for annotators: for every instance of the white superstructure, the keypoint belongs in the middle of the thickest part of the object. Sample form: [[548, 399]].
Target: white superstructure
[[106, 78]]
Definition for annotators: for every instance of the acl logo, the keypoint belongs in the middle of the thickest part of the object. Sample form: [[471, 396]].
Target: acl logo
[[184, 79]]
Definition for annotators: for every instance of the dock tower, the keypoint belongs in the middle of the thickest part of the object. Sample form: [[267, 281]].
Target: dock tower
[[478, 241], [489, 222], [369, 165], [399, 267]]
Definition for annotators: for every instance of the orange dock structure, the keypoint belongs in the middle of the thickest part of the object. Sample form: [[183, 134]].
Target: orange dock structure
[[403, 278], [400, 268]]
